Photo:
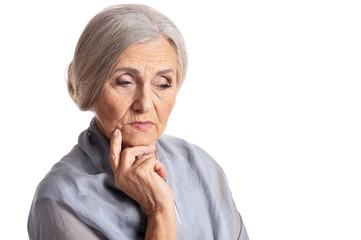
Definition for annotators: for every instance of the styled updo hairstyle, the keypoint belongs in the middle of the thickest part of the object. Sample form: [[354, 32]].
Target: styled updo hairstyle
[[106, 37]]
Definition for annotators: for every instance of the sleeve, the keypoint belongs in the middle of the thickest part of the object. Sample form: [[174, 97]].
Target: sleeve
[[224, 196], [243, 232], [49, 220]]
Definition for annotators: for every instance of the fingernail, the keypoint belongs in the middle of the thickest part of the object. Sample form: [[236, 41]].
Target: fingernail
[[153, 147], [115, 132]]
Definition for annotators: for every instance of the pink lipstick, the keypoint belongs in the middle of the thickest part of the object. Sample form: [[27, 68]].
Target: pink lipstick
[[142, 126]]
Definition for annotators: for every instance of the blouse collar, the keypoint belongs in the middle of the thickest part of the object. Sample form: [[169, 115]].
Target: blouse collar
[[96, 147]]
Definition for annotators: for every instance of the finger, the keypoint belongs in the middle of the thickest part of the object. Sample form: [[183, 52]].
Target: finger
[[142, 157], [152, 163], [115, 149], [160, 170], [130, 155], [148, 163], [144, 160]]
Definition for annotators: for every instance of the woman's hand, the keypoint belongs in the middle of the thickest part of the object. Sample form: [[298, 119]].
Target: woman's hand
[[143, 180]]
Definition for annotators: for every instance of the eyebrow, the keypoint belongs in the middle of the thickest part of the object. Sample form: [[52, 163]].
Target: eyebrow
[[136, 72]]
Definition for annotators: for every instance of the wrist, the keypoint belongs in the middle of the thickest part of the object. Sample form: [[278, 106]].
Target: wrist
[[161, 208], [161, 224], [161, 213]]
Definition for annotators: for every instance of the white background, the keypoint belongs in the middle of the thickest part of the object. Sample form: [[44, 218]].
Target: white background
[[273, 93]]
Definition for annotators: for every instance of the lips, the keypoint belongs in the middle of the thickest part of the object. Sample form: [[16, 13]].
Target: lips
[[142, 126]]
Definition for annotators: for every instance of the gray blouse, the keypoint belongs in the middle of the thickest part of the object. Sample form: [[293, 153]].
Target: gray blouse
[[77, 199]]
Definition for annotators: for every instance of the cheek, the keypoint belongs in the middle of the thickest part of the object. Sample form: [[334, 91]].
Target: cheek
[[165, 110], [110, 110]]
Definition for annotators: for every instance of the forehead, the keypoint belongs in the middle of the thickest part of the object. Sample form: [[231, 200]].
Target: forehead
[[157, 54]]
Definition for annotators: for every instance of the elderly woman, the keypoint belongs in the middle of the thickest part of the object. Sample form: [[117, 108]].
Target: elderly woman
[[124, 179]]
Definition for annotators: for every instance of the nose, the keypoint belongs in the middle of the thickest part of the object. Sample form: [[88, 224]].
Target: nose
[[143, 102]]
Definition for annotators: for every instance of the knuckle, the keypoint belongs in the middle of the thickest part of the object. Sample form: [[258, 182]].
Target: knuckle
[[149, 162], [140, 171], [113, 157], [145, 167], [126, 152]]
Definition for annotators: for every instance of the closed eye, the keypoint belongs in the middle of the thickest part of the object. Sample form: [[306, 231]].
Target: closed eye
[[162, 82], [164, 86], [124, 80], [122, 83]]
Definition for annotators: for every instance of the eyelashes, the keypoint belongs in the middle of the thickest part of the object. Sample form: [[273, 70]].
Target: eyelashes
[[161, 82], [165, 86], [122, 83]]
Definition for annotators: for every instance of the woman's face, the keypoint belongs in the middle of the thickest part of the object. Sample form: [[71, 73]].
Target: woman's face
[[140, 93]]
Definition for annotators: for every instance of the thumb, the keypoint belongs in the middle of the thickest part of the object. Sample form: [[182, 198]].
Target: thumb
[[115, 148]]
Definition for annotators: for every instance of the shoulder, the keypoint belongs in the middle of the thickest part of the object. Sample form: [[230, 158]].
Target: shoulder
[[51, 220], [64, 185], [65, 175]]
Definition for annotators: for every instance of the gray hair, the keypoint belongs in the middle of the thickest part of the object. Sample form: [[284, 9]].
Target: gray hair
[[106, 37]]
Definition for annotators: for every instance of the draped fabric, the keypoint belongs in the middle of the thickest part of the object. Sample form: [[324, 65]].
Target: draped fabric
[[77, 199]]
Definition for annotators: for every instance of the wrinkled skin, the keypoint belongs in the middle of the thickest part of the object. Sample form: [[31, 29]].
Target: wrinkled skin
[[142, 88]]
